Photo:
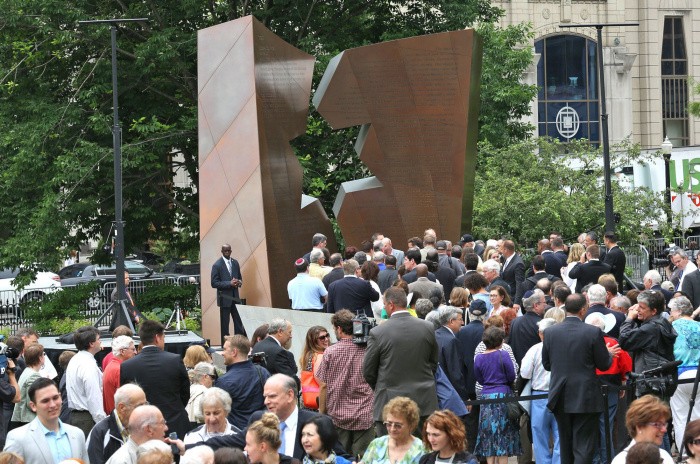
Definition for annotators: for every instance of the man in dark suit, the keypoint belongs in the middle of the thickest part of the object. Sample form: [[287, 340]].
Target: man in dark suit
[[450, 348], [559, 251], [552, 263], [388, 276], [574, 390], [513, 272], [280, 399], [226, 279], [471, 262], [589, 269], [275, 345], [413, 258], [538, 266], [615, 258], [401, 359], [691, 286], [524, 330], [443, 274], [351, 292], [336, 262], [161, 375], [652, 281], [597, 297]]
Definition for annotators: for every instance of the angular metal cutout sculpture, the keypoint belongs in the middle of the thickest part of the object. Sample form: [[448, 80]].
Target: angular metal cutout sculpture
[[254, 91], [418, 102]]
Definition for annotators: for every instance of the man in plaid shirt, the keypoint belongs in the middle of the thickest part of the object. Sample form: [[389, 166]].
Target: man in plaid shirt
[[345, 395]]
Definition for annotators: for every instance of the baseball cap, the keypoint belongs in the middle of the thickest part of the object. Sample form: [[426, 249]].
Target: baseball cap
[[466, 238], [477, 308], [441, 245]]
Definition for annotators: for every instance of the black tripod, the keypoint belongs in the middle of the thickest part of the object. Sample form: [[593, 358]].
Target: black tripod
[[120, 315]]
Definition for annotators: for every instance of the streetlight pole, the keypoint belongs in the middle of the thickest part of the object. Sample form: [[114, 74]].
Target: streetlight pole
[[666, 149], [120, 301], [609, 212]]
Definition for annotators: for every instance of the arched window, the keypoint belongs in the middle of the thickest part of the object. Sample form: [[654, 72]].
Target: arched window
[[568, 88]]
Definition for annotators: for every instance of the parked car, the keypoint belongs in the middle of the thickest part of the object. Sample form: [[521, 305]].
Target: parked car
[[105, 274], [44, 283], [72, 270]]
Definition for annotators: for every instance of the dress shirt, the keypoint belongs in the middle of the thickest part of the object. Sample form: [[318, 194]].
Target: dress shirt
[[290, 432], [84, 385], [59, 444], [689, 267], [201, 434], [126, 454], [532, 368]]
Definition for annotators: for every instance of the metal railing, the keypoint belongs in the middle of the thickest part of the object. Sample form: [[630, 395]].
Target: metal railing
[[11, 311]]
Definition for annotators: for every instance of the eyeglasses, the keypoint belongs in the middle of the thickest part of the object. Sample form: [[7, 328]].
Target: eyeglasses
[[323, 337], [695, 442], [658, 425], [393, 425], [494, 296]]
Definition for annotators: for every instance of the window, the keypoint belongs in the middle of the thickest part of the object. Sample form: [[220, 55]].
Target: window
[[674, 82], [568, 88]]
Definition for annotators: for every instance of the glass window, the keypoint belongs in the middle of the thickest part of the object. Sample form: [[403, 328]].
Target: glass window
[[674, 82], [568, 103]]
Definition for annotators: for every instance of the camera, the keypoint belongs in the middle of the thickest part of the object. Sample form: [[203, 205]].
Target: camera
[[5, 353], [259, 358], [361, 325], [660, 381]]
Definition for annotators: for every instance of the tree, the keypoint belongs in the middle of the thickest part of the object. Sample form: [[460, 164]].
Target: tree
[[55, 108], [530, 188]]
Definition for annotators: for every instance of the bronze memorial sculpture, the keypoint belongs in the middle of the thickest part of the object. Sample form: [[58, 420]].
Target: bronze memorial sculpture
[[417, 100], [254, 91]]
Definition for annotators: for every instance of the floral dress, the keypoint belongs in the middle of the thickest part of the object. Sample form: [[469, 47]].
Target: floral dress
[[378, 452]]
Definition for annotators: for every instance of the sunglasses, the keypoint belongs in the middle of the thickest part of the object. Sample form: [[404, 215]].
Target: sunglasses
[[323, 337]]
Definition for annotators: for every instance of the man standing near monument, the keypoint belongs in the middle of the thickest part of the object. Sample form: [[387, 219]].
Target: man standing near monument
[[305, 292], [226, 279]]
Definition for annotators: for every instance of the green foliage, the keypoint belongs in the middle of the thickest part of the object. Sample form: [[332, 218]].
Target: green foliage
[[192, 318], [528, 189], [56, 187], [163, 296], [56, 310]]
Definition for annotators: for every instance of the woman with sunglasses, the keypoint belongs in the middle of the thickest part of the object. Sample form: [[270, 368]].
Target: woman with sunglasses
[[400, 417], [317, 340], [214, 406], [202, 377], [691, 442], [646, 421]]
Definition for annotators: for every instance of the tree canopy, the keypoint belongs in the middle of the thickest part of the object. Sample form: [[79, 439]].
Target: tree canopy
[[56, 187]]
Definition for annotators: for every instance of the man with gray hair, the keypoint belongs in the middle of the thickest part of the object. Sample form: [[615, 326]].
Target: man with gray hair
[[523, 330], [145, 423], [388, 249], [275, 346], [316, 264], [336, 273], [110, 433], [620, 304], [597, 295], [491, 270], [691, 285], [680, 259], [351, 292], [652, 281], [122, 349], [317, 241], [378, 258], [450, 348]]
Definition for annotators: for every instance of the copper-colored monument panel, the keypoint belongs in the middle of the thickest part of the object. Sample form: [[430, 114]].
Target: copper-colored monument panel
[[418, 99], [254, 90]]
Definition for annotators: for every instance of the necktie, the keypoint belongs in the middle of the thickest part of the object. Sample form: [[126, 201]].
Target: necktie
[[283, 427], [680, 276], [228, 266]]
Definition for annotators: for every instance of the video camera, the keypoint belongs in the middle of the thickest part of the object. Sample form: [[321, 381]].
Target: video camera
[[361, 325], [5, 353], [660, 381], [259, 358]]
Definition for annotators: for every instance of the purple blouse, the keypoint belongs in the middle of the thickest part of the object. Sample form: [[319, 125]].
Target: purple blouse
[[494, 371]]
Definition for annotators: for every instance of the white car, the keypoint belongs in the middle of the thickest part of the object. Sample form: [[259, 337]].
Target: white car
[[45, 282]]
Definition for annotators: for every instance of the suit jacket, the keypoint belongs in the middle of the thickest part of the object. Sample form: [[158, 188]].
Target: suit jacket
[[29, 442], [574, 386], [351, 293], [163, 378], [386, 278], [500, 282], [524, 334], [446, 277], [336, 274], [553, 263], [279, 360], [411, 277], [615, 258], [226, 294], [451, 360], [691, 287], [531, 282], [514, 275], [588, 273], [469, 337], [401, 360], [619, 318], [695, 286]]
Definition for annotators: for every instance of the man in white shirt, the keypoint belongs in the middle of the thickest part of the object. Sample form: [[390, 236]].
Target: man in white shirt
[[84, 381]]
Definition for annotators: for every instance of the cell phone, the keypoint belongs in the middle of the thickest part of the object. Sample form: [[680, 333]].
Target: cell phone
[[173, 446]]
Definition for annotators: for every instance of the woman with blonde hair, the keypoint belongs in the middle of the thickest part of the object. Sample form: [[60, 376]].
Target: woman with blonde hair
[[317, 340], [194, 355], [202, 378], [459, 298], [575, 252], [262, 440]]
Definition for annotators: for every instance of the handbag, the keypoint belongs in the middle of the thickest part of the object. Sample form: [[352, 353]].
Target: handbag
[[309, 386], [513, 409]]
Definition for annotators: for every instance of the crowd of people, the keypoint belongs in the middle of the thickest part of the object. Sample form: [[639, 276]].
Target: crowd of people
[[461, 331]]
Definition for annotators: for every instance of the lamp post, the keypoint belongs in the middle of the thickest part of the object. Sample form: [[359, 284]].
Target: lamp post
[[666, 149], [609, 213]]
